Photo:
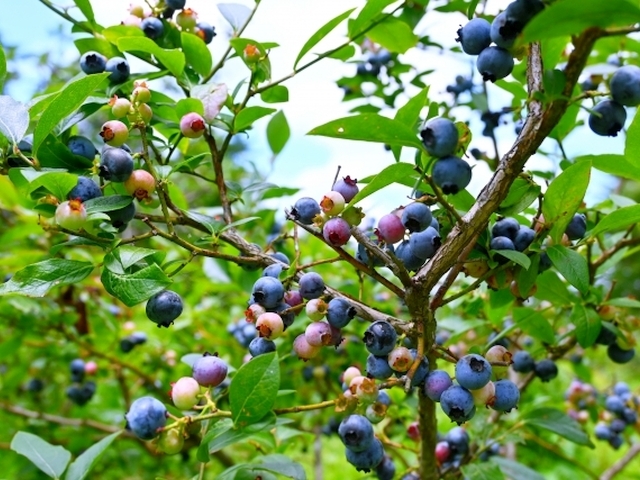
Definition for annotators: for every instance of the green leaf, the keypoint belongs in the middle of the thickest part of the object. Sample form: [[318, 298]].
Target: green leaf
[[619, 165], [234, 13], [370, 127], [527, 277], [278, 132], [196, 53], [254, 389], [516, 257], [560, 19], [533, 323], [394, 35], [85, 8], [275, 94], [107, 204], [57, 183], [14, 119], [557, 422], [564, 196], [320, 34], [247, 116], [571, 265], [38, 278], [3, 67], [515, 470], [393, 173], [409, 113], [173, 60], [371, 10], [126, 256], [522, 193], [55, 154], [65, 103], [188, 105], [137, 287], [233, 435], [218, 428], [79, 469], [617, 220], [482, 471], [52, 460], [587, 323], [554, 290], [632, 142], [623, 302], [99, 45]]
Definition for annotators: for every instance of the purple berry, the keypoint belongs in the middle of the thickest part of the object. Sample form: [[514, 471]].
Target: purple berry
[[347, 187], [209, 370], [436, 382], [336, 231], [390, 228]]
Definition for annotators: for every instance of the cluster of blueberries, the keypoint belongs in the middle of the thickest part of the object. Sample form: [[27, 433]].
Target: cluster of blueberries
[[608, 117], [130, 341], [617, 353], [476, 37], [92, 62], [621, 409], [454, 446], [373, 63], [545, 369], [81, 392]]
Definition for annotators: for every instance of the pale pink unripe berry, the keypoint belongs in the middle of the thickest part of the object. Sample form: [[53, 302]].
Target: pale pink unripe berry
[[192, 125], [270, 325], [390, 228], [114, 133], [139, 10], [316, 309], [90, 368], [132, 21], [350, 373], [332, 203], [120, 107], [140, 184], [364, 388], [253, 311], [485, 396], [71, 215], [499, 354], [318, 334], [184, 393], [400, 359], [336, 231], [303, 350]]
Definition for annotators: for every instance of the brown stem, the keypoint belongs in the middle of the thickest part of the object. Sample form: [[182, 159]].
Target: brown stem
[[621, 464], [217, 157]]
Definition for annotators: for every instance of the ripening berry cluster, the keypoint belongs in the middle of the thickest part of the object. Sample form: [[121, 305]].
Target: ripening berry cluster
[[363, 449], [81, 392], [476, 38]]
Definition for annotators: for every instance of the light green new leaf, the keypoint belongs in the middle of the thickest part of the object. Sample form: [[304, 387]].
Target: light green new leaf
[[564, 196], [632, 144], [515, 470], [620, 165], [371, 10], [557, 422], [320, 34], [516, 257], [38, 278], [196, 53], [137, 287], [188, 105], [59, 184], [534, 324], [571, 265], [617, 220], [248, 115], [52, 460], [254, 389], [394, 35], [275, 94], [395, 173], [370, 127], [85, 8], [3, 66], [571, 17], [482, 471], [173, 60], [66, 102], [409, 113], [278, 132], [587, 323], [80, 468]]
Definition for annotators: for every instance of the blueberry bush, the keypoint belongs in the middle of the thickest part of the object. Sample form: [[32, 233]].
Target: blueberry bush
[[170, 313]]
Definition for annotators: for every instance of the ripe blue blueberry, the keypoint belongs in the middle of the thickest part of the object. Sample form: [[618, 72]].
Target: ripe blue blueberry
[[152, 27], [546, 370], [116, 164], [260, 345], [164, 307], [451, 174], [602, 431], [386, 469], [122, 216], [421, 372], [82, 146], [119, 69], [519, 13], [577, 227], [502, 243], [507, 396], [440, 137], [425, 244], [475, 36], [500, 35], [356, 433], [305, 209], [268, 292], [458, 440], [473, 371], [416, 217], [625, 85], [494, 63], [618, 354], [616, 441], [621, 389], [176, 4], [380, 338], [523, 239], [614, 404], [145, 416], [410, 261], [378, 367], [368, 459], [206, 32], [523, 362], [506, 227], [311, 285], [93, 62], [340, 311], [274, 270], [77, 370], [607, 118], [436, 382], [84, 190], [606, 336], [81, 394], [457, 404]]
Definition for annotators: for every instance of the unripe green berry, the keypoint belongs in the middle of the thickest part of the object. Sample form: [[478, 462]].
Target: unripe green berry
[[171, 441], [316, 309], [332, 203], [120, 107], [184, 393], [71, 215], [270, 325]]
